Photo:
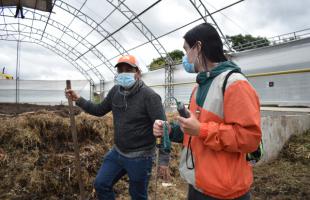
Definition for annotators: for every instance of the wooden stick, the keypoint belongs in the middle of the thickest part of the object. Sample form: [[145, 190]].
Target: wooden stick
[[75, 141]]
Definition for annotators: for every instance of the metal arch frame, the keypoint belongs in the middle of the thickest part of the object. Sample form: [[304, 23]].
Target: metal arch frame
[[85, 1], [50, 47], [116, 44], [113, 39], [49, 16], [199, 4], [46, 45], [69, 59], [78, 14], [97, 25], [34, 9], [80, 40], [131, 16], [93, 24], [65, 46], [49, 37], [181, 27], [74, 36]]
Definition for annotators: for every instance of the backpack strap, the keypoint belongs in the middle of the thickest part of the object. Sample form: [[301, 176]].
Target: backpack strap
[[227, 77], [256, 155]]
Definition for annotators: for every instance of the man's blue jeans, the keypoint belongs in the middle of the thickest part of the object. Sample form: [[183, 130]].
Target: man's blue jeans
[[114, 167]]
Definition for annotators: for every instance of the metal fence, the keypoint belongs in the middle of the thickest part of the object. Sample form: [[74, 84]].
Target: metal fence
[[280, 39]]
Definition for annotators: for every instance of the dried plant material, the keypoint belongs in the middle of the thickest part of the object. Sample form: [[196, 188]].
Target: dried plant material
[[37, 160]]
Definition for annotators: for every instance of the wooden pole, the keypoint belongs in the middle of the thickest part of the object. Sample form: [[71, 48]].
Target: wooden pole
[[75, 141]]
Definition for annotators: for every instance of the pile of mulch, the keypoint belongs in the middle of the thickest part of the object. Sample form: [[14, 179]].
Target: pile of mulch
[[8, 109], [287, 177], [37, 161], [37, 156]]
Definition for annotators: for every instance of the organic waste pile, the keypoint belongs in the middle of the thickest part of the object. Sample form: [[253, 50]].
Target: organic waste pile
[[37, 156], [37, 160], [287, 177]]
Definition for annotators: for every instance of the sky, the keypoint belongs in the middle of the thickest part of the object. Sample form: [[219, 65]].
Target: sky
[[263, 18]]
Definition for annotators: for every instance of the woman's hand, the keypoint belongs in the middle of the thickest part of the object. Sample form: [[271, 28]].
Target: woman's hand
[[191, 125], [71, 94]]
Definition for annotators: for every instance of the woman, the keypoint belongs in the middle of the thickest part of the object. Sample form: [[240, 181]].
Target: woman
[[222, 127]]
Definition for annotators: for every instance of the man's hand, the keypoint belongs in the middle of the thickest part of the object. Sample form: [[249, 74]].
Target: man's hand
[[71, 94], [158, 128]]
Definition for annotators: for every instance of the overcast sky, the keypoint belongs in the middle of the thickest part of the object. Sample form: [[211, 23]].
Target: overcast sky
[[265, 18]]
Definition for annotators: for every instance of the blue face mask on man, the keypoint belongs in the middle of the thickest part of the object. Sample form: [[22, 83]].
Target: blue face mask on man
[[125, 80]]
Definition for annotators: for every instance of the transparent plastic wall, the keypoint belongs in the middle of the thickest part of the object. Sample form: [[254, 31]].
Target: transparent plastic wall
[[47, 92]]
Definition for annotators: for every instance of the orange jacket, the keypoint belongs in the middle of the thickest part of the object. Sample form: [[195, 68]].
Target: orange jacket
[[230, 129]]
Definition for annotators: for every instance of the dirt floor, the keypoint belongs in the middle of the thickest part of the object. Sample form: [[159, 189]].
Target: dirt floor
[[37, 159]]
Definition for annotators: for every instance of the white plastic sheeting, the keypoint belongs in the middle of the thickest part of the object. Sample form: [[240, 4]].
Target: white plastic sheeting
[[290, 89], [49, 92]]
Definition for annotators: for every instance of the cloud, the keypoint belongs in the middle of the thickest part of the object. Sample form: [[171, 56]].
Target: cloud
[[268, 18]]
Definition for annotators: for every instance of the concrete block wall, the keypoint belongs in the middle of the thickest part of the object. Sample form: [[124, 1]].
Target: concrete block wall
[[277, 130]]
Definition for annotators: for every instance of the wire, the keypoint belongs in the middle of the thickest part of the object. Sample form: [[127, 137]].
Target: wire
[[175, 99]]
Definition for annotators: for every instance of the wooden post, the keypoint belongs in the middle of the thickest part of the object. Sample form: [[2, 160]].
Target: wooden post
[[76, 146]]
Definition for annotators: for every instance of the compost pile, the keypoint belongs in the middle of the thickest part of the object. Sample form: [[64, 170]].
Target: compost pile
[[288, 176], [13, 109], [37, 160], [37, 156]]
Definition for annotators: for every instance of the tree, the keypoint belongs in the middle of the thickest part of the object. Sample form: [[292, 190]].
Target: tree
[[241, 43], [176, 55], [158, 63]]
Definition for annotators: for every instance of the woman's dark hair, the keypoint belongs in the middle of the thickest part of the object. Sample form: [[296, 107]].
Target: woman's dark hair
[[212, 46]]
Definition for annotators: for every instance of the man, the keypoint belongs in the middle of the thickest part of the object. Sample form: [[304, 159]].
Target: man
[[135, 107]]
